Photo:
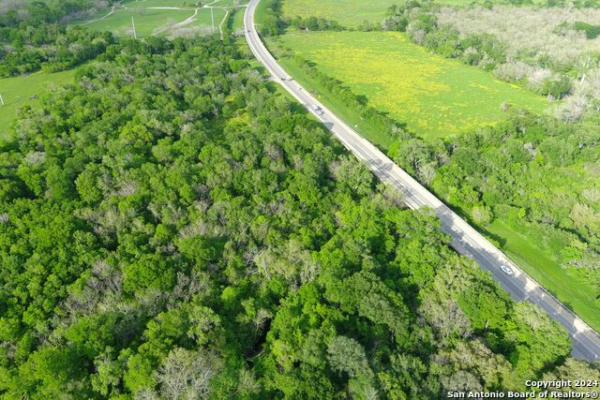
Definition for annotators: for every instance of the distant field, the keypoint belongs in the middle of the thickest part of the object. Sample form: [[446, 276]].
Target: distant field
[[203, 19], [465, 3], [160, 18], [147, 21], [159, 3], [347, 12], [434, 96], [227, 3], [19, 91], [352, 13]]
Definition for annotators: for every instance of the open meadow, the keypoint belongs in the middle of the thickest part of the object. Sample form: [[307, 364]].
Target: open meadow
[[348, 13], [352, 13], [471, 3], [434, 96], [23, 90], [161, 18]]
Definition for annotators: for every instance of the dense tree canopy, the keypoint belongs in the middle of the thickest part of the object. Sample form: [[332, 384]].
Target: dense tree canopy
[[32, 36], [39, 12], [53, 47]]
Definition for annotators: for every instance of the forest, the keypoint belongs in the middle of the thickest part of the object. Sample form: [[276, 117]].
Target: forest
[[32, 37], [173, 227], [49, 47]]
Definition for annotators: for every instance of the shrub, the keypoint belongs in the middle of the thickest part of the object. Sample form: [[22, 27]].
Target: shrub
[[591, 31]]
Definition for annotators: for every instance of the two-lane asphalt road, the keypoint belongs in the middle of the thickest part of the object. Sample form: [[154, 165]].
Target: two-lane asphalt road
[[466, 240]]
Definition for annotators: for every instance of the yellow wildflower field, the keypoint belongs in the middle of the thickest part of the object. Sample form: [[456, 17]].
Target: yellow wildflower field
[[434, 96]]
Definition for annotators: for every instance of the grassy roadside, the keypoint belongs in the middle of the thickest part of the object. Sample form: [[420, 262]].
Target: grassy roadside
[[260, 14], [349, 116], [570, 286], [237, 20]]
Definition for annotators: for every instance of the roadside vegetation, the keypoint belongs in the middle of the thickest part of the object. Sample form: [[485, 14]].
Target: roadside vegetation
[[535, 180]]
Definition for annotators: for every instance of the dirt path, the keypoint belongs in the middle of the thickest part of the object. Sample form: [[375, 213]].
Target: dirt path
[[181, 24], [187, 21], [178, 25], [111, 12], [165, 8], [222, 22]]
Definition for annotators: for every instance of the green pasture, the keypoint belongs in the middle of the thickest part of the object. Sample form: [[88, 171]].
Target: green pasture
[[352, 13], [159, 18], [468, 3], [227, 3], [147, 21], [203, 19], [349, 13], [22, 90], [434, 96], [159, 3]]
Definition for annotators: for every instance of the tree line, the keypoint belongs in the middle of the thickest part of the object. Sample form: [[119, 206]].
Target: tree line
[[32, 36], [38, 12], [50, 47]]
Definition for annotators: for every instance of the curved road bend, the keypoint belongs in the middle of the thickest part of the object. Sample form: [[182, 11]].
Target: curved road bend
[[466, 240]]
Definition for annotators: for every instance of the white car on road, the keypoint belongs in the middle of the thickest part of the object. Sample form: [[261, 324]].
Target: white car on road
[[506, 269]]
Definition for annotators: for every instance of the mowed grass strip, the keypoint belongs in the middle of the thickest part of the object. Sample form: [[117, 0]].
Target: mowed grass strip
[[434, 96], [238, 20], [23, 90], [158, 3], [349, 13]]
